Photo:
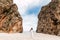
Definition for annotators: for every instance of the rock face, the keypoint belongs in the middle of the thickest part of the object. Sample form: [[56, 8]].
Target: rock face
[[10, 19], [49, 18]]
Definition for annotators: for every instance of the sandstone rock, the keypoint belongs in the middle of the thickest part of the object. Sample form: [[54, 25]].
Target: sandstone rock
[[10, 19], [49, 18]]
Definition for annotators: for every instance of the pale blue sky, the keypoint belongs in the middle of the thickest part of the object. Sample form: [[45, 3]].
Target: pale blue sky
[[34, 10], [29, 9]]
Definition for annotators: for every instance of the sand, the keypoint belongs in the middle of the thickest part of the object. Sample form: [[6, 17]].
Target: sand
[[28, 36]]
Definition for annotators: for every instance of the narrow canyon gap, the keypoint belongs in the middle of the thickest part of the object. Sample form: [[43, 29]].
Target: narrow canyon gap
[[29, 10]]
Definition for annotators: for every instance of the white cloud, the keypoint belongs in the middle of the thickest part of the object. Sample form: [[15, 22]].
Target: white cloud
[[23, 4], [44, 2], [29, 20]]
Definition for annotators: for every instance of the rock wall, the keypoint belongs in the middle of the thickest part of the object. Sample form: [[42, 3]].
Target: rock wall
[[10, 19], [49, 18]]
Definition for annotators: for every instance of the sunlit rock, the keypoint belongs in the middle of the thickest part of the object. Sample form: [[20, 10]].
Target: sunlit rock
[[49, 18], [10, 19]]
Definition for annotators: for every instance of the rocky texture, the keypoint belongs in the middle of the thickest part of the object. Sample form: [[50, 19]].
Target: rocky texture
[[10, 19], [49, 18]]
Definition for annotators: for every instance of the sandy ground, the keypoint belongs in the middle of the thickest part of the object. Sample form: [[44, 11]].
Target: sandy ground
[[28, 36]]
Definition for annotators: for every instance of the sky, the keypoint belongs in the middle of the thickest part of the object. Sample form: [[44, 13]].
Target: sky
[[29, 10]]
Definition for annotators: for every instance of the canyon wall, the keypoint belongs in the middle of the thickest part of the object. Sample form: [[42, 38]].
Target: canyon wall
[[10, 19], [49, 18]]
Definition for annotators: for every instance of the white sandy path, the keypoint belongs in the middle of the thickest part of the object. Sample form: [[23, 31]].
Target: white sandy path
[[28, 36]]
